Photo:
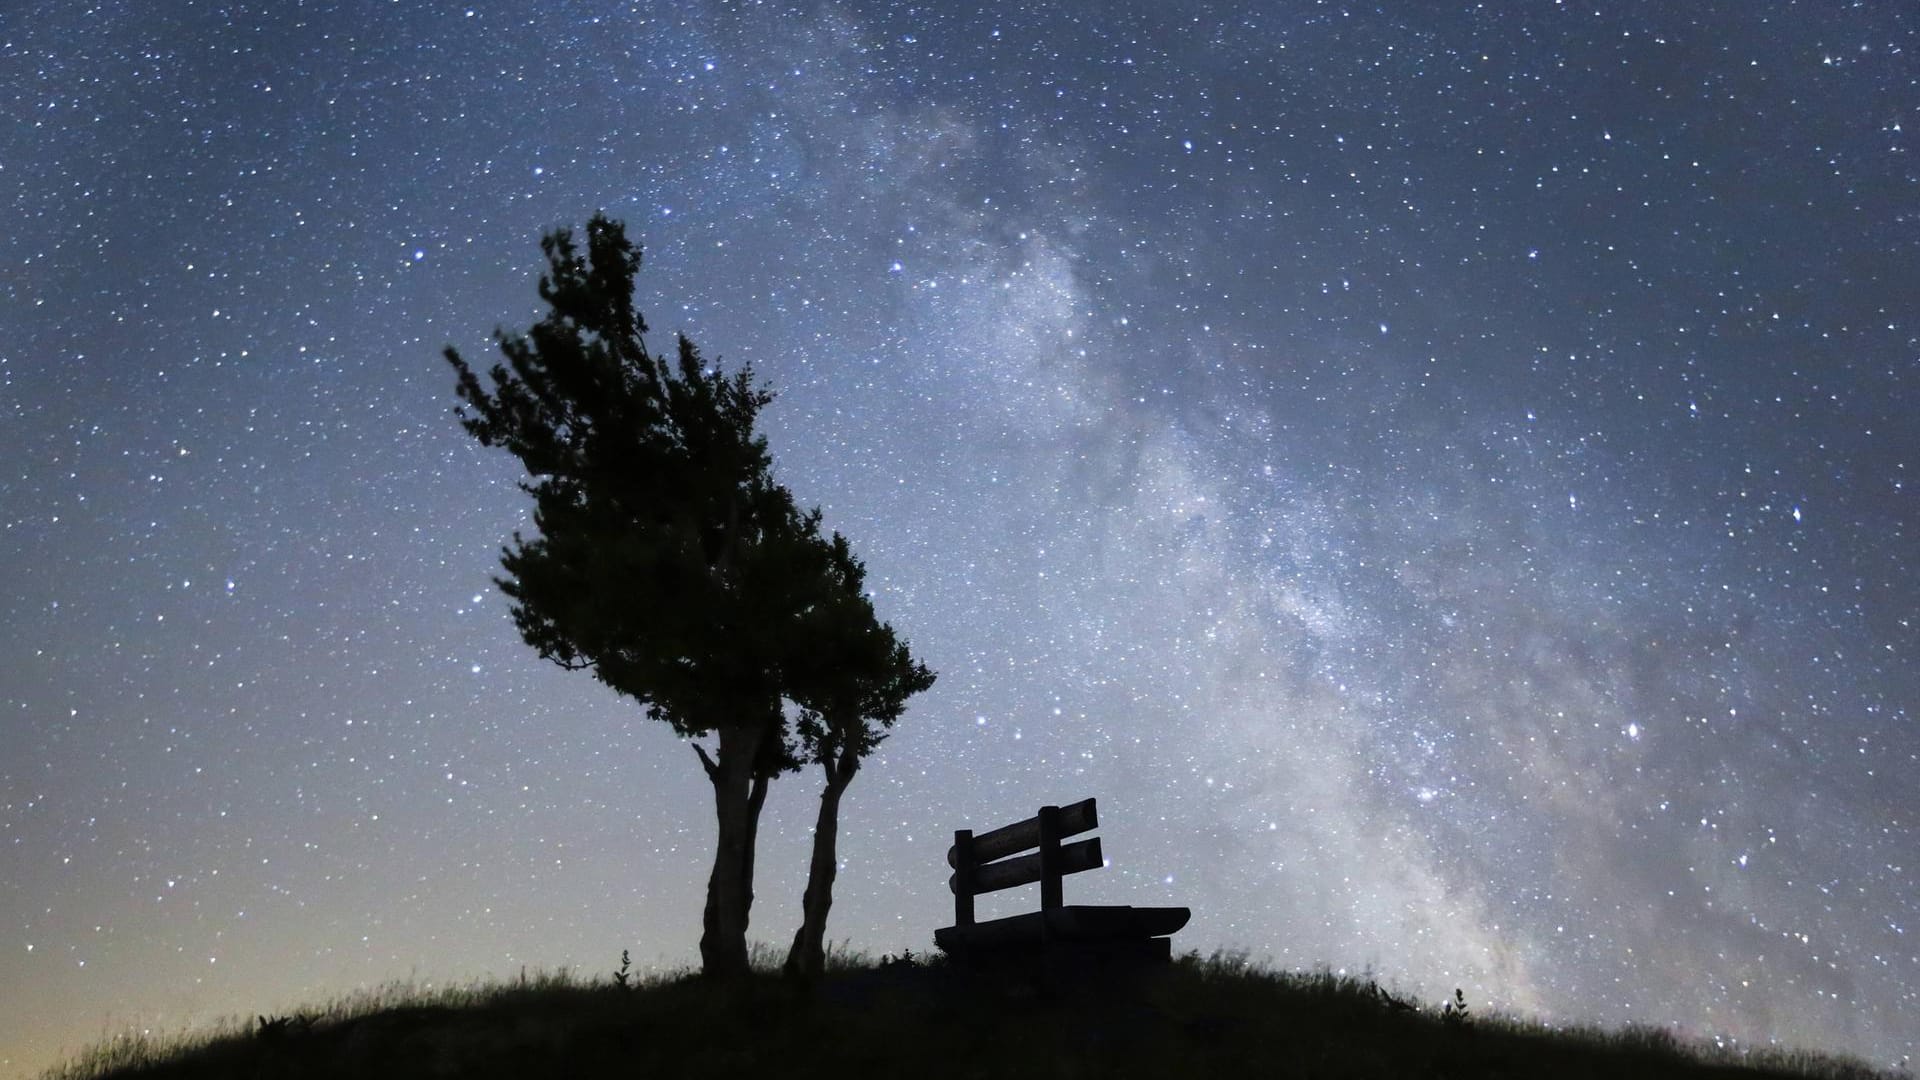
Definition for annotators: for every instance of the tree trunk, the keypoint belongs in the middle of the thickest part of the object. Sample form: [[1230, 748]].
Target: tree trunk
[[756, 798], [723, 941], [807, 959]]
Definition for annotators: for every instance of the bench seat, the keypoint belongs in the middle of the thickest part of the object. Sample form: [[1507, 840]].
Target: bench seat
[[1080, 923]]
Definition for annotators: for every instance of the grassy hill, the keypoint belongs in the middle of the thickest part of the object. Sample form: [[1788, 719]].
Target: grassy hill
[[1216, 1017]]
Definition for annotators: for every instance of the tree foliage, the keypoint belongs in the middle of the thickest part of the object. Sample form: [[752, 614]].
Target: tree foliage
[[666, 559], [850, 673]]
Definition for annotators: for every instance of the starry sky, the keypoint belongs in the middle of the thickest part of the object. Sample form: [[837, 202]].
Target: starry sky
[[1443, 475]]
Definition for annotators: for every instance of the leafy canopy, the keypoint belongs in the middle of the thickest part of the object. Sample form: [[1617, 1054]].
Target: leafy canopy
[[666, 558], [849, 671]]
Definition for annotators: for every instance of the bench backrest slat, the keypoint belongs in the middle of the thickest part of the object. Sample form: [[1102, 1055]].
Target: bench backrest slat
[[1021, 835], [975, 870], [1025, 870]]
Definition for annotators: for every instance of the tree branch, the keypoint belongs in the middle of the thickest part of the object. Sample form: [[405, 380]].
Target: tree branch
[[848, 765], [713, 771]]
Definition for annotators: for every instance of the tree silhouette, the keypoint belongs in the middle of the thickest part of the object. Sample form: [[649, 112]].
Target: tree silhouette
[[667, 560], [851, 678]]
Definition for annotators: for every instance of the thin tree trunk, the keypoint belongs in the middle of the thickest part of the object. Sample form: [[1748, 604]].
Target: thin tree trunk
[[723, 941], [807, 958], [756, 798]]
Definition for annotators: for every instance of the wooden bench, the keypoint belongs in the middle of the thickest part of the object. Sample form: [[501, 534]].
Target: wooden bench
[[1103, 935]]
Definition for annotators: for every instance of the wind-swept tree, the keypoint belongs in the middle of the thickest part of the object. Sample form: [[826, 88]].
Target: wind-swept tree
[[851, 677], [666, 560]]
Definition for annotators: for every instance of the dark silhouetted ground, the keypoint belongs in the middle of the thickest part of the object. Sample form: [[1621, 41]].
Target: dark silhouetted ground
[[1214, 1017]]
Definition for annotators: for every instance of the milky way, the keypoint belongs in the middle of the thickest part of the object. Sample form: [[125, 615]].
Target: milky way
[[1442, 476]]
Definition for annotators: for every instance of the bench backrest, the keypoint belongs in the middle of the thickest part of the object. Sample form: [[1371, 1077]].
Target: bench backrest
[[982, 864]]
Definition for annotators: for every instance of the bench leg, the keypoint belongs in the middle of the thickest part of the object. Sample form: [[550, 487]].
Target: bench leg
[[1108, 957]]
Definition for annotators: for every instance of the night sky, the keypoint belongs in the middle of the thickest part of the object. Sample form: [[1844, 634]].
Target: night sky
[[1443, 475]]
